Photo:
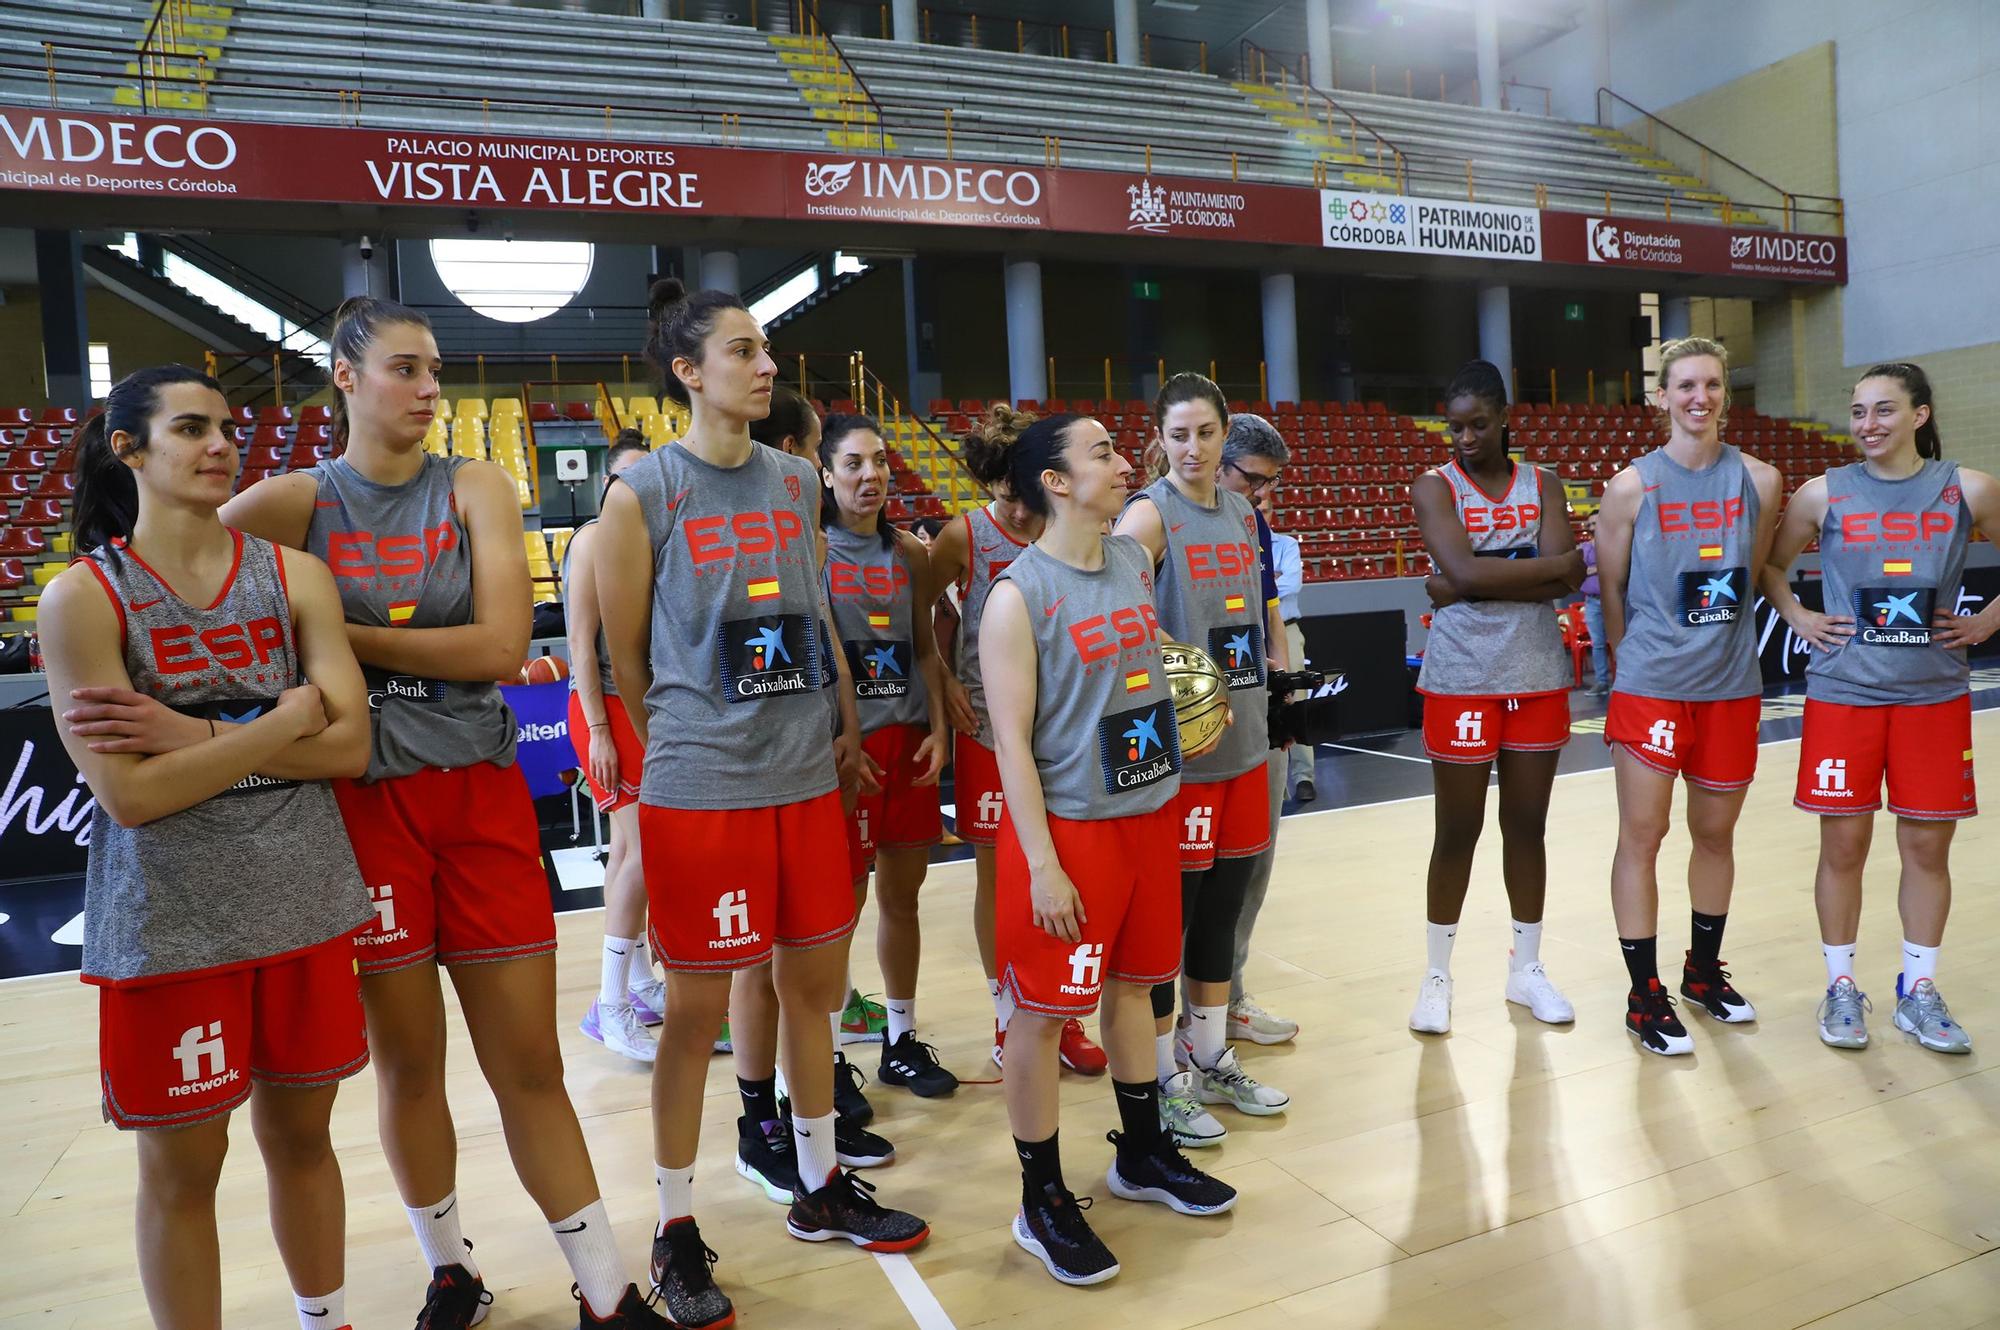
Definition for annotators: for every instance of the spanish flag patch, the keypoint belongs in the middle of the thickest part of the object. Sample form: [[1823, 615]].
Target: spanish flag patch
[[764, 590], [1895, 567], [1137, 680], [1711, 551], [1233, 604], [401, 611], [878, 621]]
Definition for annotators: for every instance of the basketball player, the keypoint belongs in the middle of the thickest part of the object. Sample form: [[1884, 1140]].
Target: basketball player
[[602, 735], [1203, 543], [708, 576], [218, 981], [970, 553], [1678, 534], [876, 578], [1887, 686], [428, 555], [1495, 681], [1089, 753]]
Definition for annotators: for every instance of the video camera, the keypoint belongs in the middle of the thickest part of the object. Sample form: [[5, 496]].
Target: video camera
[[1310, 719]]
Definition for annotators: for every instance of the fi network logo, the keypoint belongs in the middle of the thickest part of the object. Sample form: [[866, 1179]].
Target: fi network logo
[[991, 805], [732, 921], [203, 1060], [1662, 736], [1832, 776], [1199, 825], [1086, 968], [1471, 726]]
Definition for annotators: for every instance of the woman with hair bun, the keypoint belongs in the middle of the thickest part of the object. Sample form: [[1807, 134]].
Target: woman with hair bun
[[1887, 686], [1495, 681]]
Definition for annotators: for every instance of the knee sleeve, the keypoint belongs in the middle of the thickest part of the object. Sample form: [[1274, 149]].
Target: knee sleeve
[[1209, 915], [1163, 1000]]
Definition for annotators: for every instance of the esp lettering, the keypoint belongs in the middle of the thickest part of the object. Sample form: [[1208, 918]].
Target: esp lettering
[[1104, 635], [365, 554], [1207, 562], [233, 646], [1895, 528], [709, 541], [850, 581], [1706, 515], [1501, 517]]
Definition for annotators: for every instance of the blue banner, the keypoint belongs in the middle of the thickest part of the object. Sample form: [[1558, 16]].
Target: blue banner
[[541, 735]]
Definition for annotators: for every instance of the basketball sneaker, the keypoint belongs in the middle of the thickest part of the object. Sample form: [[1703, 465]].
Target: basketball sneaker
[[999, 1045], [620, 1029], [1922, 1012], [683, 1273], [1250, 1023], [1529, 987], [649, 999], [1649, 1018], [1166, 1176], [765, 1157], [722, 1044], [455, 1299], [1182, 1117], [848, 1101], [853, 1144], [862, 1021], [1843, 1021], [632, 1312], [1077, 1051], [1432, 1014], [1227, 1083], [845, 1208], [913, 1064], [1052, 1229], [1708, 987]]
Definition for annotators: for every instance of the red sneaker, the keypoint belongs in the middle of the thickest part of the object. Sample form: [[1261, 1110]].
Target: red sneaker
[[1079, 1054], [999, 1044]]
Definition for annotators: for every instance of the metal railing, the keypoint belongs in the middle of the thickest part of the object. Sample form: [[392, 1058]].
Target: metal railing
[[1712, 168]]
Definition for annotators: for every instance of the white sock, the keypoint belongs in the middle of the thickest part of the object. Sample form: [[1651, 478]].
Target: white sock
[[1003, 1005], [324, 1313], [612, 978], [812, 1139], [902, 1016], [1163, 1057], [833, 1023], [1839, 962], [439, 1235], [1209, 1027], [1918, 963], [993, 988], [1527, 946], [676, 1188], [592, 1252], [1438, 939]]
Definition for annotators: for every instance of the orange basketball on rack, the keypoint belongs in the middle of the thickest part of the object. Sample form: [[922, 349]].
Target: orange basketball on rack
[[545, 669]]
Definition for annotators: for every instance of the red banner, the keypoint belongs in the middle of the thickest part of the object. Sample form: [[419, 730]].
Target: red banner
[[132, 156]]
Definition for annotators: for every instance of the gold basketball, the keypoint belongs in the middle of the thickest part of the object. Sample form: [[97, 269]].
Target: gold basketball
[[1201, 698]]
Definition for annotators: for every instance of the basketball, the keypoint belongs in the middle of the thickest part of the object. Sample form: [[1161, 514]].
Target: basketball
[[1201, 701], [545, 669]]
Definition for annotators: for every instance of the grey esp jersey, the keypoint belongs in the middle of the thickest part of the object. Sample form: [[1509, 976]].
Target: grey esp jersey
[[735, 715], [400, 556], [872, 594], [606, 683], [1496, 648], [1892, 553], [1105, 740], [1690, 635], [988, 551], [263, 869]]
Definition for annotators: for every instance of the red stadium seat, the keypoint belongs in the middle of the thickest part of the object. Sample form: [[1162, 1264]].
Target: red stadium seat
[[543, 413], [58, 415], [22, 540], [274, 415], [242, 415], [56, 484], [13, 572], [39, 512], [16, 417], [315, 415]]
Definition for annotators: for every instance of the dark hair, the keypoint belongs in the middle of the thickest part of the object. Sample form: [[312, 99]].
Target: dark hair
[[927, 526], [1039, 449], [677, 324], [988, 444], [1930, 444], [1189, 387], [1481, 379], [356, 324], [629, 440], [791, 416], [107, 493], [837, 428]]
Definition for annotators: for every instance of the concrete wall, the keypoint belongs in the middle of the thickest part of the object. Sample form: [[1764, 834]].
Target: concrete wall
[[136, 338]]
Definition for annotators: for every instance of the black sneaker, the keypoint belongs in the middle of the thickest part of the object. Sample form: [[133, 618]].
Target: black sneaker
[[853, 1144], [632, 1312], [684, 1280], [1306, 792], [1054, 1231], [1709, 988], [767, 1158], [913, 1064], [845, 1208], [1166, 1176], [455, 1299], [1649, 1018], [848, 1101]]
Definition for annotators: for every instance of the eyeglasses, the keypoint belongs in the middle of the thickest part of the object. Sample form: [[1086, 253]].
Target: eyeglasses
[[1258, 484]]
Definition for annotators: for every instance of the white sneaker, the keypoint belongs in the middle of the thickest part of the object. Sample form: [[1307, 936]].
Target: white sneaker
[[1182, 1116], [1250, 1023], [1529, 986], [1432, 1014], [649, 999], [1227, 1083], [620, 1030]]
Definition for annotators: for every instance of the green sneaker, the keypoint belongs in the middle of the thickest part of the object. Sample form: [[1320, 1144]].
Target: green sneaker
[[862, 1021], [722, 1044]]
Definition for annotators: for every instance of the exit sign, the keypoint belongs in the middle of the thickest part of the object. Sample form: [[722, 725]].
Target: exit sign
[[1573, 312], [1145, 290]]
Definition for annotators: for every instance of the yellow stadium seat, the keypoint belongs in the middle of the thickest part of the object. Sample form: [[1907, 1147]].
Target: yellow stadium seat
[[641, 407], [472, 408], [46, 573], [438, 438], [538, 557], [504, 432], [506, 407], [22, 614], [468, 439], [559, 541], [61, 543], [526, 492]]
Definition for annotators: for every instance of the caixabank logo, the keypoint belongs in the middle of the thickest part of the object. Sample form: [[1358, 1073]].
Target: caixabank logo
[[1895, 616], [768, 654], [1713, 596], [1139, 747]]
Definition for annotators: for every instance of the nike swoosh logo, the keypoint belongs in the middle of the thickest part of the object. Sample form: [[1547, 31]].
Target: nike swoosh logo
[[324, 1311], [581, 1225], [1051, 610], [326, 503], [988, 549], [799, 1131], [1122, 1095], [447, 1210], [137, 607], [675, 502], [1651, 488], [1706, 928], [1177, 526]]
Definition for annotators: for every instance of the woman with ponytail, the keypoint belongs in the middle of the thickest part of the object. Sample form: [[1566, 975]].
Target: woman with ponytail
[[432, 570], [211, 695], [1887, 692]]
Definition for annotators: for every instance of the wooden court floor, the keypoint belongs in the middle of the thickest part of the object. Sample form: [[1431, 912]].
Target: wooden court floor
[[1511, 1174]]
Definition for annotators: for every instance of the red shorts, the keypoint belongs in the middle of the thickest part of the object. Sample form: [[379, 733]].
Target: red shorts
[[177, 1051], [904, 816], [724, 885], [1713, 744], [631, 757], [1224, 819], [1128, 877], [453, 859], [1926, 752], [1476, 729], [975, 785]]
